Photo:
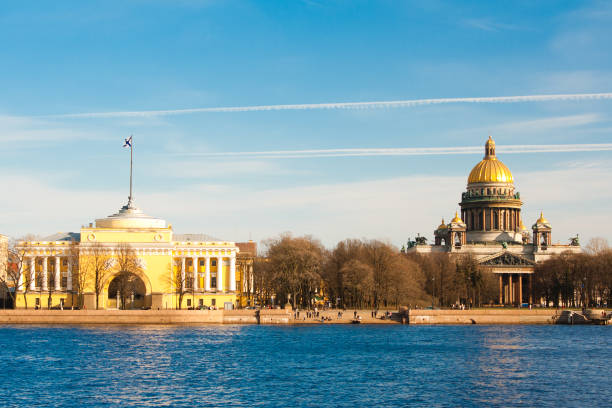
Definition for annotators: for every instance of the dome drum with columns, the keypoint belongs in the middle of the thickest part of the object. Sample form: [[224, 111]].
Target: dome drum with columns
[[490, 207], [491, 228]]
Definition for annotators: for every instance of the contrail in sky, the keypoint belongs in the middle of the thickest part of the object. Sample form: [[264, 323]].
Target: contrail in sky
[[405, 151], [342, 105]]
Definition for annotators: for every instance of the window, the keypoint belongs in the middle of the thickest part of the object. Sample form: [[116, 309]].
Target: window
[[201, 302], [213, 302], [213, 262], [188, 302], [65, 262], [201, 263]]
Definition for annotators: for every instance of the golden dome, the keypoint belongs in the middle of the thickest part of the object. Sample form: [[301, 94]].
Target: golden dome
[[443, 225], [542, 220], [490, 170], [522, 226], [457, 218]]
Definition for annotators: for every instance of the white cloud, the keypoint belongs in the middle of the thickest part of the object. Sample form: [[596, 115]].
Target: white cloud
[[413, 151], [548, 123], [488, 24], [343, 105], [573, 199], [29, 129]]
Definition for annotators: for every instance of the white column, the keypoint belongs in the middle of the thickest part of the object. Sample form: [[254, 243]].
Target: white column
[[20, 279], [251, 277], [195, 273], [233, 273], [220, 274], [58, 277], [207, 274], [44, 277], [69, 275], [33, 273], [183, 274]]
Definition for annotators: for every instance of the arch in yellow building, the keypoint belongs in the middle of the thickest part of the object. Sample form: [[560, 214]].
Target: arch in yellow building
[[143, 289]]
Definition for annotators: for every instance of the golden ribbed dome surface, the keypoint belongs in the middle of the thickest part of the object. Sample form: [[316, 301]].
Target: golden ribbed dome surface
[[490, 170]]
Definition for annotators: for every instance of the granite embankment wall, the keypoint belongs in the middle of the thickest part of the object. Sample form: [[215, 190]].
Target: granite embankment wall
[[416, 316], [142, 317], [482, 316]]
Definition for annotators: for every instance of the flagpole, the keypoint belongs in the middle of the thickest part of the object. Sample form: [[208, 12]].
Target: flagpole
[[131, 168]]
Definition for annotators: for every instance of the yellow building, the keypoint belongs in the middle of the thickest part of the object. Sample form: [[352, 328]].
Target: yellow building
[[140, 263]]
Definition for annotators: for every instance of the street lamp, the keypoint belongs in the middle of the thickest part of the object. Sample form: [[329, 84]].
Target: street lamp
[[432, 291]]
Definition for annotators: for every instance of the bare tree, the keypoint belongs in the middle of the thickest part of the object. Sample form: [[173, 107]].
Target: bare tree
[[178, 281], [79, 277], [333, 274], [596, 246], [13, 276], [296, 264], [262, 278], [382, 258], [358, 283], [128, 266], [95, 263]]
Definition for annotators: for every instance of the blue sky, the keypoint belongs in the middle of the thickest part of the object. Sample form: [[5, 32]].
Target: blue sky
[[60, 58]]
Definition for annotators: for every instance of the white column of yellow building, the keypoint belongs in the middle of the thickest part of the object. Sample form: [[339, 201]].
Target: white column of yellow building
[[220, 274]]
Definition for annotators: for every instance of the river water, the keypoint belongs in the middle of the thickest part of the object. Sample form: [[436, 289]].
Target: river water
[[331, 365]]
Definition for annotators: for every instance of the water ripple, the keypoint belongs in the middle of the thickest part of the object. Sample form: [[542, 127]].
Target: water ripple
[[305, 366]]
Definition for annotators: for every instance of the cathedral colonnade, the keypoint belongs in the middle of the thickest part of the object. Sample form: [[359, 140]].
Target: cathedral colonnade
[[515, 288]]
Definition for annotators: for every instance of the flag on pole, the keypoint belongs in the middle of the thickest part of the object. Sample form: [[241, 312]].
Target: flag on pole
[[128, 142]]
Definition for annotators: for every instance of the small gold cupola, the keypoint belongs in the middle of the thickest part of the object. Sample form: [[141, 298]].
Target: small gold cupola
[[457, 218], [442, 225]]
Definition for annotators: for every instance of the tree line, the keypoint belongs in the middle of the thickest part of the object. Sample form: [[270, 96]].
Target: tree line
[[577, 280], [360, 273]]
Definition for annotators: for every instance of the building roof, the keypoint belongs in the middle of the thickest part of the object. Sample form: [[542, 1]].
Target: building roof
[[195, 238], [62, 236], [248, 248], [130, 216]]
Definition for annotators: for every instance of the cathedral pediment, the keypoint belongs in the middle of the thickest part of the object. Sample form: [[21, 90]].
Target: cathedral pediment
[[506, 259]]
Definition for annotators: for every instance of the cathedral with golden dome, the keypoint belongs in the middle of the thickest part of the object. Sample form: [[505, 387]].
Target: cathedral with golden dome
[[490, 227]]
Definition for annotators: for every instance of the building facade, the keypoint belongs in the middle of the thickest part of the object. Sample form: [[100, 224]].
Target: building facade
[[491, 228], [246, 258], [129, 260]]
